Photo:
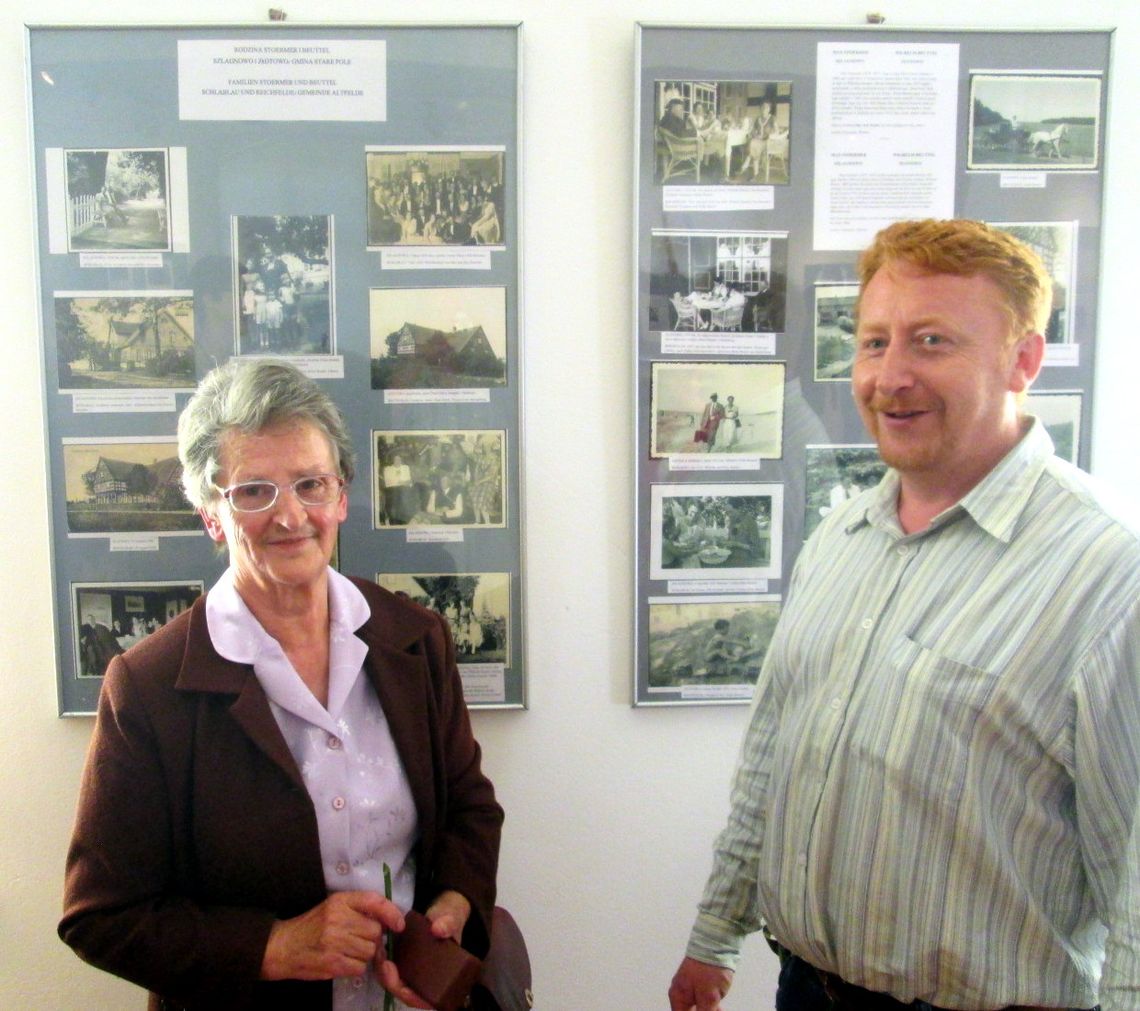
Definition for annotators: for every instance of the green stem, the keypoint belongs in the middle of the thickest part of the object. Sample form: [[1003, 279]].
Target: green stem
[[389, 939]]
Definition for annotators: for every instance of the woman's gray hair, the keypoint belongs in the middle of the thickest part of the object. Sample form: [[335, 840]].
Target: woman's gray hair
[[249, 395]]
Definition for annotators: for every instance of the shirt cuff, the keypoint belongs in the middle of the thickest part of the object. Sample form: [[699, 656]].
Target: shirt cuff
[[715, 941]]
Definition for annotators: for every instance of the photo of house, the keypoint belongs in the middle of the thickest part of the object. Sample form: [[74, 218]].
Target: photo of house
[[438, 338], [125, 340]]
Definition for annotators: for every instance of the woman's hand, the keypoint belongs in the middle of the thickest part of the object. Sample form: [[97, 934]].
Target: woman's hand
[[448, 916], [340, 937]]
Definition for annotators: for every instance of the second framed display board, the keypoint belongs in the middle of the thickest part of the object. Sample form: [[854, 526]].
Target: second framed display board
[[766, 159], [343, 198]]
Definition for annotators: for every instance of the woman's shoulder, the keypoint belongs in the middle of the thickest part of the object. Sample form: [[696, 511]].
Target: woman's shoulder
[[401, 618]]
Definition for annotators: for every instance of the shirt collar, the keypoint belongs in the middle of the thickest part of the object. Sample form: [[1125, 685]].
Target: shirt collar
[[238, 636], [995, 503]]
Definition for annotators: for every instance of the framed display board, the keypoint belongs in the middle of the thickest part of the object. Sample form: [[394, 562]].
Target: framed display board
[[343, 198], [766, 159]]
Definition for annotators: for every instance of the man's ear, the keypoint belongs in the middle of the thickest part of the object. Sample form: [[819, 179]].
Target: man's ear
[[213, 525], [1028, 357]]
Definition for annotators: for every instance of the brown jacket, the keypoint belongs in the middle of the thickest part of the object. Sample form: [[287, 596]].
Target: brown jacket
[[195, 832]]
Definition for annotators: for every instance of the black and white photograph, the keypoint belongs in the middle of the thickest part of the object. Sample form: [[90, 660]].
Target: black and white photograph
[[476, 605], [834, 331], [283, 284], [128, 340], [718, 132], [438, 338], [1060, 413], [109, 618], [1056, 243], [715, 531], [718, 281], [455, 478], [1042, 121], [118, 200], [705, 643], [436, 196], [130, 485], [835, 473], [717, 408]]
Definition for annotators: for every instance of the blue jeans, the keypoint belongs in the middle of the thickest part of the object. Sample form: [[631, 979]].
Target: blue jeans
[[801, 989]]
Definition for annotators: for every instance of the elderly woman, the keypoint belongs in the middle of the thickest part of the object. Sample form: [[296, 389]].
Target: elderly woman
[[264, 761]]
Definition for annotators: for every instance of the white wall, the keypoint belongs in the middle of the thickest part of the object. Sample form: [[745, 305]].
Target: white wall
[[611, 811]]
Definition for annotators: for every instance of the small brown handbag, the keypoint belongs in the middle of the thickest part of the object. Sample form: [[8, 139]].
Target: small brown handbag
[[449, 978]]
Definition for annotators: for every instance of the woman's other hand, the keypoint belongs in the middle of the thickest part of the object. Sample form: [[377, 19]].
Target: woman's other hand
[[340, 937]]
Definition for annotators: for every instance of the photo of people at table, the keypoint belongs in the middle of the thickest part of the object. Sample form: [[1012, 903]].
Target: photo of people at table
[[717, 132], [717, 409], [718, 281]]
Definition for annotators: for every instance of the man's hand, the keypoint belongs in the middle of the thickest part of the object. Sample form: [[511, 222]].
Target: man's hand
[[340, 937], [699, 986]]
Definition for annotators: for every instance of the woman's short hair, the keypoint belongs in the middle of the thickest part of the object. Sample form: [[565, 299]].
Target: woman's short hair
[[249, 395], [967, 248]]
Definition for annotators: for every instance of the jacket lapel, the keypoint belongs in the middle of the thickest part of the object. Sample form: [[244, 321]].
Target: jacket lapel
[[205, 670]]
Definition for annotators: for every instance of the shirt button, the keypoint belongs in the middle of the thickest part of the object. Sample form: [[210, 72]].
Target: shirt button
[[342, 868], [836, 703], [338, 803], [903, 550], [334, 743], [866, 623]]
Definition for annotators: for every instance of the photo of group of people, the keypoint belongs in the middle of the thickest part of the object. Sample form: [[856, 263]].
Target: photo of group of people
[[722, 132], [453, 478], [436, 196], [283, 284], [726, 531], [477, 607], [109, 618]]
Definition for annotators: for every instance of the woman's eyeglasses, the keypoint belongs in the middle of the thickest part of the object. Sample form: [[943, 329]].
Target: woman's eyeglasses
[[257, 496]]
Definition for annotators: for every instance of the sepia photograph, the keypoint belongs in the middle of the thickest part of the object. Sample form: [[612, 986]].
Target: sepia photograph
[[834, 331], [715, 531], [283, 284], [126, 340], [718, 281], [455, 478], [131, 485], [718, 132], [717, 407], [1060, 413], [118, 200], [835, 473], [436, 196], [709, 643], [438, 338], [476, 605], [1045, 121], [109, 618], [1056, 243]]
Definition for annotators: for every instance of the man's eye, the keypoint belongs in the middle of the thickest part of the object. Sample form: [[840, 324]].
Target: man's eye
[[931, 340]]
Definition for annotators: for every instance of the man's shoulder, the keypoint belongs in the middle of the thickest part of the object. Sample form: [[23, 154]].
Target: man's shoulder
[[1086, 506]]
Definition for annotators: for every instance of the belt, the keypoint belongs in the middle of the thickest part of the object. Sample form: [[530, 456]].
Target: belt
[[849, 997]]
